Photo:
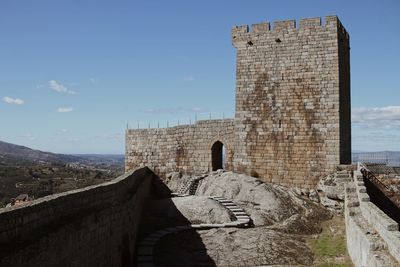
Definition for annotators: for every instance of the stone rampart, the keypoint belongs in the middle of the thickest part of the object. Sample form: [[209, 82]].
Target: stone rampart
[[373, 238], [185, 148], [93, 226]]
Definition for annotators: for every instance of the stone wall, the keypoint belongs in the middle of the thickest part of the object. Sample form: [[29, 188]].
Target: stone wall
[[292, 123], [185, 148], [93, 226], [292, 100], [373, 238]]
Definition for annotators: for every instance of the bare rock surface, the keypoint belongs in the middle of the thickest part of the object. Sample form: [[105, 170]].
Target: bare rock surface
[[265, 203], [233, 247], [282, 218], [196, 209]]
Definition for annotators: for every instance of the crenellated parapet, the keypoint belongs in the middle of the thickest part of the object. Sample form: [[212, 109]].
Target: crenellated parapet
[[245, 35]]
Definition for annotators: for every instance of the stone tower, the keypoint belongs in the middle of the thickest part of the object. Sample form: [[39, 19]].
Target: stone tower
[[292, 122]]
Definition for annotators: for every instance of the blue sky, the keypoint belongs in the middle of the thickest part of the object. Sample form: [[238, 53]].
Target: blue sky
[[74, 73]]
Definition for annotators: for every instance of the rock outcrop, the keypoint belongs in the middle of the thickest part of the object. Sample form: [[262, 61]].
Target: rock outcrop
[[282, 218]]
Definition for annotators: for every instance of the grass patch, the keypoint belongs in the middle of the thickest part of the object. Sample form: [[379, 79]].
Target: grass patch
[[329, 247]]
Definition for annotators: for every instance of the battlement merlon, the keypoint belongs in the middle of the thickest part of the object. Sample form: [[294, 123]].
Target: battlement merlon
[[242, 35]]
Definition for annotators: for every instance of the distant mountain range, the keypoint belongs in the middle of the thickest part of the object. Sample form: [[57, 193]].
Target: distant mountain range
[[11, 154], [15, 154], [391, 158]]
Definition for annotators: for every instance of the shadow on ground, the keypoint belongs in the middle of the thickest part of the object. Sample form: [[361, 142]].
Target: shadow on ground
[[169, 250]]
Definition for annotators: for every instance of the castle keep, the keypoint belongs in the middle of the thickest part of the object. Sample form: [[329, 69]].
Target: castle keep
[[292, 121]]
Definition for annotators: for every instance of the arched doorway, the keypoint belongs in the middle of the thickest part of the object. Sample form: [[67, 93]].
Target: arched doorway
[[218, 156]]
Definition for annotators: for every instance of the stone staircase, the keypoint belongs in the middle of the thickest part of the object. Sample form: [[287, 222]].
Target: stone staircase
[[193, 187], [190, 187], [241, 220], [331, 190], [343, 175]]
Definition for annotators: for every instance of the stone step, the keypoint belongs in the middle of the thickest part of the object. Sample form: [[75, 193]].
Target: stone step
[[350, 189], [236, 210], [243, 221], [148, 243], [184, 227], [231, 206], [207, 225], [362, 189], [145, 259], [353, 204], [145, 251], [166, 231], [240, 214], [158, 234], [224, 200], [218, 225], [150, 238], [171, 229], [230, 203], [232, 224]]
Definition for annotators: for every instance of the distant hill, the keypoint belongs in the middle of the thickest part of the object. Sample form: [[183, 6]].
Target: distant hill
[[117, 159], [11, 153], [37, 173]]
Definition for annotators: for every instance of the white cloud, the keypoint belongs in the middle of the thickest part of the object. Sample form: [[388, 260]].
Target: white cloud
[[28, 136], [383, 117], [189, 78], [63, 110], [15, 101], [59, 87], [376, 128], [62, 132]]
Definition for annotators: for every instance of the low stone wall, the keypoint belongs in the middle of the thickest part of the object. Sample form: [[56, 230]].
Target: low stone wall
[[386, 227], [373, 239], [93, 226], [185, 148]]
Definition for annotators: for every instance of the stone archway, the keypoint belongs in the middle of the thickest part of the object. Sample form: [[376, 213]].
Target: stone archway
[[217, 155]]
